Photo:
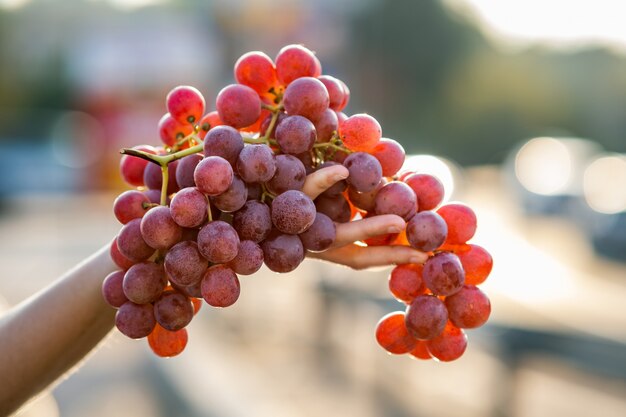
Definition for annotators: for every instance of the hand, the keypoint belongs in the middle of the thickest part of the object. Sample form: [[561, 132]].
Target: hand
[[344, 251]]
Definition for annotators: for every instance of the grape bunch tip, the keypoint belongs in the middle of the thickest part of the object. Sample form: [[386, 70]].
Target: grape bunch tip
[[222, 195]]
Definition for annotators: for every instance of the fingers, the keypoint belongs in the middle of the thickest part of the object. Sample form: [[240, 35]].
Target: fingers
[[366, 228], [360, 257], [319, 181]]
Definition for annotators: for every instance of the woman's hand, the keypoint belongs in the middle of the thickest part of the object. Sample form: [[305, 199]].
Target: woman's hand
[[344, 251]]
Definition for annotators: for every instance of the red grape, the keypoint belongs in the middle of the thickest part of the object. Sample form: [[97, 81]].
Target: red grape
[[220, 286], [185, 104], [224, 141], [405, 282], [171, 130], [477, 263], [132, 167], [218, 242], [135, 320], [184, 264], [256, 163], [165, 343], [443, 274], [144, 282], [461, 222], [112, 290], [426, 317], [421, 350], [153, 177], [469, 308], [365, 201], [117, 257], [256, 70], [253, 221], [449, 345], [306, 97], [293, 212], [335, 91], [321, 235], [233, 198], [365, 171], [337, 208], [326, 125], [392, 334], [296, 61], [249, 258], [390, 154], [290, 175], [159, 230], [130, 205], [360, 132], [189, 207], [426, 231], [282, 252], [428, 189], [184, 170], [208, 122], [173, 311], [213, 175], [295, 135], [238, 105], [396, 198], [131, 243]]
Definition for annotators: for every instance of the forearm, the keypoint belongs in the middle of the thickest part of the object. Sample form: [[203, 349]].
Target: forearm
[[47, 334]]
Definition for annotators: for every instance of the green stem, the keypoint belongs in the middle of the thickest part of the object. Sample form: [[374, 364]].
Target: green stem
[[332, 146], [162, 160], [165, 177], [208, 209], [268, 132]]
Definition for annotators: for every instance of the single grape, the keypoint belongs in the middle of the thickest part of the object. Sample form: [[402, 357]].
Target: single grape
[[337, 208], [469, 308], [158, 228], [185, 104], [443, 274], [208, 122], [282, 252], [144, 282], [461, 222], [293, 212], [184, 264], [132, 167], [189, 207], [321, 235], [306, 96], [112, 290], [406, 283], [213, 175], [365, 171], [346, 96], [153, 177], [326, 125], [131, 243], [295, 135], [135, 320], [426, 231], [290, 175], [449, 345], [335, 91], [392, 334], [256, 70], [296, 61], [165, 343], [171, 130], [173, 310], [238, 105], [117, 257], [233, 198], [253, 221], [421, 350], [477, 264], [426, 317], [218, 242], [184, 170], [365, 201], [224, 141], [396, 198], [256, 163], [428, 189], [360, 132], [249, 258], [390, 154], [131, 204], [220, 286]]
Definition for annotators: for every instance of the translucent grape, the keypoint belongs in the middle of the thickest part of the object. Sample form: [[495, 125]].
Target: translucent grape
[[238, 105], [135, 320], [306, 97], [220, 286], [421, 350], [208, 122], [218, 242], [426, 231], [256, 70], [405, 282], [159, 230], [360, 132], [171, 130], [295, 61], [186, 104], [390, 154], [461, 222], [132, 167], [165, 343], [469, 308], [392, 334], [428, 189], [213, 175], [449, 345], [477, 264]]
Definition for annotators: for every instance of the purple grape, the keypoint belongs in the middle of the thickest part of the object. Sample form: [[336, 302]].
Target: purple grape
[[365, 201], [290, 175], [306, 96], [293, 212], [112, 290], [218, 242], [154, 196], [184, 264], [307, 160], [189, 207], [224, 141], [396, 198], [337, 208], [266, 124], [295, 134], [253, 221], [213, 175], [426, 317], [249, 258], [159, 230], [144, 282], [131, 244], [238, 105], [281, 252], [135, 320], [443, 274], [173, 310], [365, 171], [256, 163], [130, 205], [326, 125], [153, 177], [321, 235], [426, 231], [233, 198], [185, 169], [220, 286]]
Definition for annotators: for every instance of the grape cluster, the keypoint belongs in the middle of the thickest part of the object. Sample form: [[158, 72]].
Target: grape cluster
[[441, 295], [223, 195]]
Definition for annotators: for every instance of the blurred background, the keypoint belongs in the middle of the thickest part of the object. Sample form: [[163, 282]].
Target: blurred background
[[519, 106]]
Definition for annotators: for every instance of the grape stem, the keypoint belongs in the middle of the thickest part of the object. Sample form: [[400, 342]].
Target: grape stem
[[208, 209], [193, 136], [330, 145], [165, 179]]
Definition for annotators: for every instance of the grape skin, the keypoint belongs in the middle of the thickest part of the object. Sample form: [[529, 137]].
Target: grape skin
[[132, 167], [144, 282], [428, 189], [293, 212], [213, 175], [220, 286], [184, 170], [112, 290], [224, 141], [390, 154], [295, 135], [306, 97], [153, 178], [335, 91], [365, 171], [295, 61], [159, 230], [449, 345], [392, 334], [290, 175], [233, 198], [249, 258], [396, 198], [135, 320], [406, 283], [469, 308], [173, 311], [282, 252], [477, 264], [337, 208], [184, 264], [117, 257], [256, 70], [426, 231], [189, 207], [208, 122], [360, 132], [461, 222], [185, 103], [256, 163], [238, 105], [326, 125], [131, 243], [426, 317], [165, 343], [443, 274], [171, 131], [218, 242], [321, 235], [365, 201], [253, 221]]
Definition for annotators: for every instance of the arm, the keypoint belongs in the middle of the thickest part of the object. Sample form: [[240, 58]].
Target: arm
[[47, 334]]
